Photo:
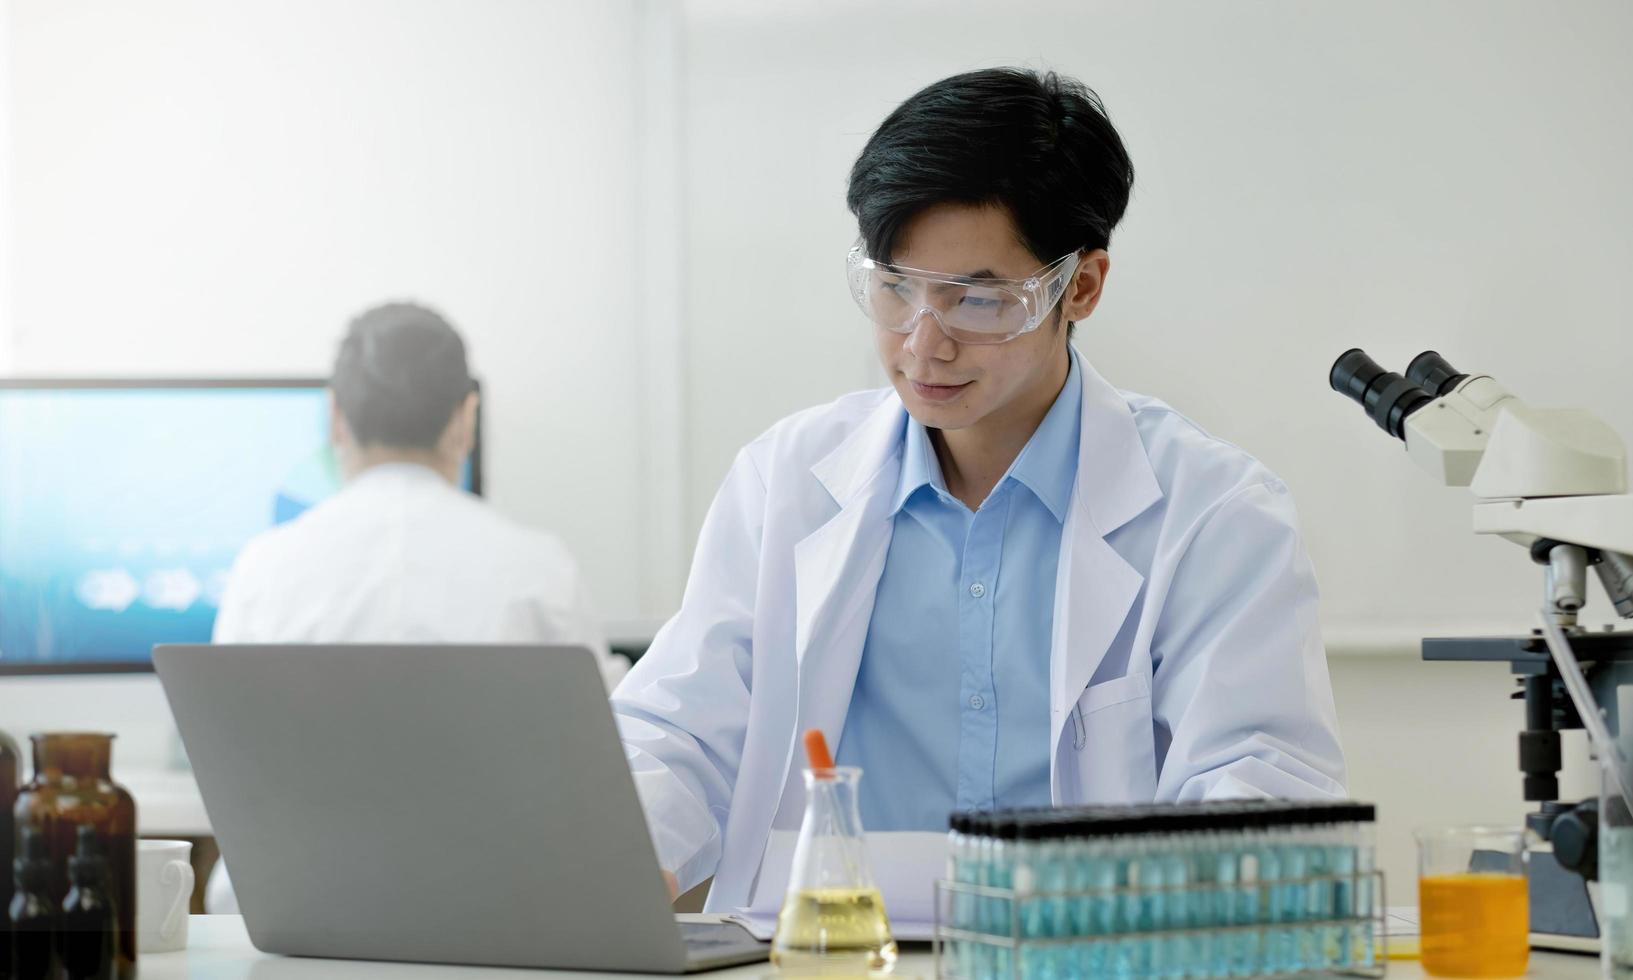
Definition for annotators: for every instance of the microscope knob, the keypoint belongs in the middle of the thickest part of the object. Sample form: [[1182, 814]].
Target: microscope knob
[[1576, 840]]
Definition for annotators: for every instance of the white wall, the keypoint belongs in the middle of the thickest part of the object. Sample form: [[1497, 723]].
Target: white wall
[[206, 188], [6, 274]]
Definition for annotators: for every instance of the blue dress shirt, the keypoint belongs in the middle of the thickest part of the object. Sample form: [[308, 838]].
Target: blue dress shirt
[[951, 704]]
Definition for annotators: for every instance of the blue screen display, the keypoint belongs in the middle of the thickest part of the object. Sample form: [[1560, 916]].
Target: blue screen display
[[122, 509]]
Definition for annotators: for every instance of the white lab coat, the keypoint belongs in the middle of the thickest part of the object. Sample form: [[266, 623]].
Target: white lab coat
[[1186, 660], [402, 556]]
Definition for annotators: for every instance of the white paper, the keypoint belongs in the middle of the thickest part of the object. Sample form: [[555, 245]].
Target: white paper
[[905, 866], [1401, 920]]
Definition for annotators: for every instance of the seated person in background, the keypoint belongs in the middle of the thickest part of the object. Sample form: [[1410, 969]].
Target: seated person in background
[[401, 554]]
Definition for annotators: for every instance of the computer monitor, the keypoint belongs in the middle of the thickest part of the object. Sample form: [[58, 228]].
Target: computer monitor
[[123, 504]]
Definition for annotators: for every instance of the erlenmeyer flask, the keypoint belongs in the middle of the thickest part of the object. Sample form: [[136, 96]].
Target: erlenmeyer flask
[[833, 917]]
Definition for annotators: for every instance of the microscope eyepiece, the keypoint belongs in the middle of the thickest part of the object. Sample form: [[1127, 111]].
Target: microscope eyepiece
[[1430, 372], [1387, 397]]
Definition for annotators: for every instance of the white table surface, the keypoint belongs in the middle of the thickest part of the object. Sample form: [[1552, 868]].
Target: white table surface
[[219, 947]]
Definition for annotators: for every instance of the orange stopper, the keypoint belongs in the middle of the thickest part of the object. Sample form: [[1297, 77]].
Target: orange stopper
[[816, 750]]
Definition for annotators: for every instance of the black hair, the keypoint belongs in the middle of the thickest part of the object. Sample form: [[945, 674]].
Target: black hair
[[399, 377], [1037, 144]]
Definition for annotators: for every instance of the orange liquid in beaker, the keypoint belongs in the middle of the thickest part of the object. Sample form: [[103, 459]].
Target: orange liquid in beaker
[[1474, 925]]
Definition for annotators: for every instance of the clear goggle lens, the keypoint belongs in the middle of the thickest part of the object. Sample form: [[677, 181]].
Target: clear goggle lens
[[970, 311]]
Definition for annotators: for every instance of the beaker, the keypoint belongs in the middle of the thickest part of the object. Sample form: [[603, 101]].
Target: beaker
[[833, 917], [1473, 902]]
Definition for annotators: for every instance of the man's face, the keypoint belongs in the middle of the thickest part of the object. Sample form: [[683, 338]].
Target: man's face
[[948, 385]]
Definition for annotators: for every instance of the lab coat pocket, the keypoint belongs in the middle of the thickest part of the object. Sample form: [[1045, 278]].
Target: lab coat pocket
[[1114, 692], [1115, 741]]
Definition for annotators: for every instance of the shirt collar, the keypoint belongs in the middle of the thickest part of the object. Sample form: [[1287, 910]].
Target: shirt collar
[[920, 468], [401, 471], [1047, 465]]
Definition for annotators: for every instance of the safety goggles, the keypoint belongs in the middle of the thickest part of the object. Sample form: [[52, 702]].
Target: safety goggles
[[970, 311]]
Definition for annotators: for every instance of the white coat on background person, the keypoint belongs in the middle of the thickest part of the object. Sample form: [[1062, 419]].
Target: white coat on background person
[[1180, 556], [401, 554]]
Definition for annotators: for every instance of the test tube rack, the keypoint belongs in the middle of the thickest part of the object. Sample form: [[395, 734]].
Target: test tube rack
[[1200, 931]]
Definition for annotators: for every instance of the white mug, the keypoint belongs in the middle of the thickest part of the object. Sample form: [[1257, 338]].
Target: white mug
[[164, 889]]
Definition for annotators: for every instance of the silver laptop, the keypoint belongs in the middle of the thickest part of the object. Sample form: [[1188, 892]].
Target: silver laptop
[[431, 804]]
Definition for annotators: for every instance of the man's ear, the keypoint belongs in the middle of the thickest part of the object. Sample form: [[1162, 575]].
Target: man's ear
[[1087, 285], [462, 427], [340, 434]]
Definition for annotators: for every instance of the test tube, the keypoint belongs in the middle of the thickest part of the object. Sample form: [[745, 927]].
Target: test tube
[[1078, 856], [1285, 890], [961, 871], [1201, 846], [1304, 845], [1320, 941], [1029, 912], [1150, 874], [1211, 827], [1252, 896], [1366, 892], [1123, 846], [1099, 866], [1058, 881], [1227, 871], [1189, 830], [1006, 831], [1343, 865], [982, 848]]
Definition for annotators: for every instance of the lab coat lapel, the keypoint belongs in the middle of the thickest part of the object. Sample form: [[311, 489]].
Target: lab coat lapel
[[837, 566], [1094, 585], [836, 574]]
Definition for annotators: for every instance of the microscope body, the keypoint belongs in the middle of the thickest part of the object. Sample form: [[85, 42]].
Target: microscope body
[[1553, 481], [1555, 473]]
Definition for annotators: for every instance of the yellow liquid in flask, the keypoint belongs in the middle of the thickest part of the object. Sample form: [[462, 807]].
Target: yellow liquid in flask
[[834, 931]]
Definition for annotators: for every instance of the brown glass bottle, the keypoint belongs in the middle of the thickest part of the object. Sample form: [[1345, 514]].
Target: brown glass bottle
[[31, 917], [86, 938], [72, 788], [10, 775]]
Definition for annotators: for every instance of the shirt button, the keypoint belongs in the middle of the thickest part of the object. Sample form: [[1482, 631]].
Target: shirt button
[[977, 702], [978, 590]]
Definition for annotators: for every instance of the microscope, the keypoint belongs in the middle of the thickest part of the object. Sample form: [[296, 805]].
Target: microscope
[[1554, 482]]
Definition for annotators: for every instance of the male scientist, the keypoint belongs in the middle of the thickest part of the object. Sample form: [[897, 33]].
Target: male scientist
[[1001, 581], [401, 554]]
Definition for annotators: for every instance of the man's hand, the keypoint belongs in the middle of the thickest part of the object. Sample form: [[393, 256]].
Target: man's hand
[[672, 883]]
